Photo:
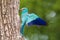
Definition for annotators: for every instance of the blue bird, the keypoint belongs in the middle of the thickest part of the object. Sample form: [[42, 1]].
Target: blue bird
[[30, 19]]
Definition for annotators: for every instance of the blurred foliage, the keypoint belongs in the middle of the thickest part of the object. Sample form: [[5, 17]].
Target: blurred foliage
[[43, 8]]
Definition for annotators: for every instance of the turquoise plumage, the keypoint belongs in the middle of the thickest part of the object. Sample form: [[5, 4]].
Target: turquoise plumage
[[30, 19]]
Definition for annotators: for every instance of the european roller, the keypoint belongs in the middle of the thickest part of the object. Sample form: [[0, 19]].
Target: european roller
[[30, 19]]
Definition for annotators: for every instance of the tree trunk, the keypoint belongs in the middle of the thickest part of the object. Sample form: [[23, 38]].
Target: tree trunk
[[9, 20]]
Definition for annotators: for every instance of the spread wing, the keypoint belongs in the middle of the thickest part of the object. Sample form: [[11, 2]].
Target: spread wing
[[33, 19]]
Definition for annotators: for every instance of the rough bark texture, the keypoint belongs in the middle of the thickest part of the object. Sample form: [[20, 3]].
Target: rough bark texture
[[9, 20]]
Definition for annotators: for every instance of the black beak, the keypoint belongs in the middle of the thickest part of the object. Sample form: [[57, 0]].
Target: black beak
[[20, 10]]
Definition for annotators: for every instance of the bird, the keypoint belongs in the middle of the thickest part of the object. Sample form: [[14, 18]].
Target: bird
[[30, 19]]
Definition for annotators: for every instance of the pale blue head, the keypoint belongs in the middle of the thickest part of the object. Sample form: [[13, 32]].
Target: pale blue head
[[24, 10]]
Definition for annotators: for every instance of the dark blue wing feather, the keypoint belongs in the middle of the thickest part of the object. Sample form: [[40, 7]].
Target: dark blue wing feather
[[37, 21]]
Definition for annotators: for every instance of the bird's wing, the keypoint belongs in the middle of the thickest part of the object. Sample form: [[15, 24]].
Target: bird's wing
[[33, 19]]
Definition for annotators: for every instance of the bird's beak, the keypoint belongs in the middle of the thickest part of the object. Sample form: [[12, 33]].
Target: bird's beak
[[20, 10]]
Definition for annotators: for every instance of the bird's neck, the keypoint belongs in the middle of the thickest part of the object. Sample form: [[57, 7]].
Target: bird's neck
[[24, 14]]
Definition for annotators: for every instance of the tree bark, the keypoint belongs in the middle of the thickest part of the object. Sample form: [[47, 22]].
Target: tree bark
[[9, 20]]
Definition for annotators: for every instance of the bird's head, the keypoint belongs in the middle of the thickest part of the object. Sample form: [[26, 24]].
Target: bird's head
[[24, 10]]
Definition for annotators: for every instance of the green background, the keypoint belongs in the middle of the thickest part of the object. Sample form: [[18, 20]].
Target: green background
[[49, 10]]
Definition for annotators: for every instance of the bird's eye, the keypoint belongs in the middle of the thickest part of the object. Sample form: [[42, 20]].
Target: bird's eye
[[23, 9]]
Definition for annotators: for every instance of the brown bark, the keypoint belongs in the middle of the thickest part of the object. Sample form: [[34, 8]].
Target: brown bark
[[9, 20]]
